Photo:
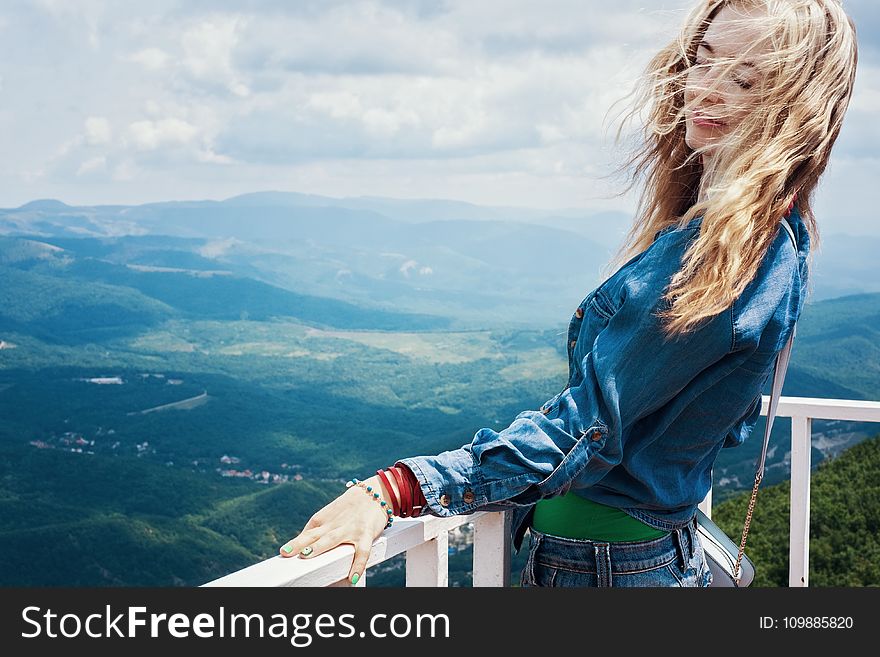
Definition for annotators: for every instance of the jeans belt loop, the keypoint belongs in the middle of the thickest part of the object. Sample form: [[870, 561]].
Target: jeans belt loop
[[680, 548], [691, 533]]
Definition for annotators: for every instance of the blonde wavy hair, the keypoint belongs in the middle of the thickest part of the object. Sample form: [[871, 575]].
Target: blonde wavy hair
[[777, 153]]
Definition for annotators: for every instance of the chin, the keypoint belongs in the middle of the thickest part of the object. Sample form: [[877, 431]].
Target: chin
[[697, 137], [692, 140], [693, 143], [696, 143]]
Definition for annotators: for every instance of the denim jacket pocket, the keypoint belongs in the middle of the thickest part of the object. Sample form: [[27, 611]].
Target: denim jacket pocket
[[602, 304]]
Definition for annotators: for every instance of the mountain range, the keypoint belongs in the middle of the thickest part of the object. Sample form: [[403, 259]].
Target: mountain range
[[476, 265]]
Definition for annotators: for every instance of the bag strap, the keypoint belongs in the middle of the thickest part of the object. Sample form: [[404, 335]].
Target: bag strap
[[778, 379], [779, 370]]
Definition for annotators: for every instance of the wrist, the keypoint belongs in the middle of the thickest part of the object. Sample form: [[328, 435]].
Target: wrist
[[377, 493], [379, 486]]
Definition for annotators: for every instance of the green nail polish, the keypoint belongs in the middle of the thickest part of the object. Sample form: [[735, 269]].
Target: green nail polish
[[355, 578], [287, 549]]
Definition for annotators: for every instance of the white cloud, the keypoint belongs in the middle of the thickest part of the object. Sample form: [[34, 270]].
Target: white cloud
[[152, 108], [207, 52], [408, 266], [69, 146], [150, 135], [125, 171], [97, 130], [94, 164], [152, 59], [83, 17], [208, 156]]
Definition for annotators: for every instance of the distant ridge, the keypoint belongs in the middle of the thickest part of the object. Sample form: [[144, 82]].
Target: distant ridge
[[45, 204], [275, 198]]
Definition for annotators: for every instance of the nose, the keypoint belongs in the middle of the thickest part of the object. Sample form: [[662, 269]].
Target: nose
[[705, 93], [714, 83], [712, 97]]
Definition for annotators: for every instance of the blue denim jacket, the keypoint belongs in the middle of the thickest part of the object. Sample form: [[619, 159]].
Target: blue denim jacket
[[642, 418]]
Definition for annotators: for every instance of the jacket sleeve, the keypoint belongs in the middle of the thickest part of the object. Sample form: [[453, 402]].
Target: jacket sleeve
[[630, 370]]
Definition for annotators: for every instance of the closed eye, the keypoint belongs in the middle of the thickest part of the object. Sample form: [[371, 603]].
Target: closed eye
[[741, 82]]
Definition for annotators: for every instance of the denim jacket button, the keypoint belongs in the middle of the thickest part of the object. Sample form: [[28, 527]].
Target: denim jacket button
[[468, 496], [579, 313], [573, 343], [596, 435], [444, 500]]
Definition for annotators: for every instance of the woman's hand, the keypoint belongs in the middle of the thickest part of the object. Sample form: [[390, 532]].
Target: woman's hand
[[354, 517]]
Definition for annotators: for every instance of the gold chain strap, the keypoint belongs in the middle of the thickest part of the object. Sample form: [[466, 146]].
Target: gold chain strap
[[742, 545]]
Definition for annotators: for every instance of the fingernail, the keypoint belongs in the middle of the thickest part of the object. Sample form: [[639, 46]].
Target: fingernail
[[287, 549], [355, 578], [306, 551]]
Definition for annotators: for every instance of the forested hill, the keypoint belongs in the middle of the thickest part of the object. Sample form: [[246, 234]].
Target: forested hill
[[844, 522]]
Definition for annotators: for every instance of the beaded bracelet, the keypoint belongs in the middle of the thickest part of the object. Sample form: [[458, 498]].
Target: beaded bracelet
[[375, 496]]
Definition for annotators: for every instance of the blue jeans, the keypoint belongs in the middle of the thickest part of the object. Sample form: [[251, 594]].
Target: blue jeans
[[676, 559]]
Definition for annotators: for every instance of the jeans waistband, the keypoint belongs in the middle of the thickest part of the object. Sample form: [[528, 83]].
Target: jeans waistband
[[590, 556]]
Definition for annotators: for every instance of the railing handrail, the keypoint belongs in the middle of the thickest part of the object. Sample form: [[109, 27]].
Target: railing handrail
[[491, 551], [332, 567], [855, 410]]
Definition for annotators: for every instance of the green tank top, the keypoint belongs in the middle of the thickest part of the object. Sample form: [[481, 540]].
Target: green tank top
[[572, 516]]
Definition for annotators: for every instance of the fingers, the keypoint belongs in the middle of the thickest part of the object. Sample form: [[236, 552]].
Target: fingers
[[311, 544], [308, 544], [352, 518], [361, 555], [293, 547], [307, 536]]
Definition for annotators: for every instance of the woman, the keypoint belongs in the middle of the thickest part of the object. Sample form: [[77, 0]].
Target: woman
[[667, 357]]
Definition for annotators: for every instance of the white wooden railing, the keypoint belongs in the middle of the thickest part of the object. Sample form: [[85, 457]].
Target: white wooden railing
[[426, 540]]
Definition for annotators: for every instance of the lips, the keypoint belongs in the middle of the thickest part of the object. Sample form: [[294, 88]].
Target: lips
[[704, 121]]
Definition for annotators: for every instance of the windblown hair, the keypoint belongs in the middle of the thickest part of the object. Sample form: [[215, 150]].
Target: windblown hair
[[776, 154]]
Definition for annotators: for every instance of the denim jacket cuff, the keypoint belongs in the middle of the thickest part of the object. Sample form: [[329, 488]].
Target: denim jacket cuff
[[450, 481]]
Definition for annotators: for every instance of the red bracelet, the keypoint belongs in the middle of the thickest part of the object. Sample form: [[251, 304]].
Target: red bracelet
[[410, 489], [411, 500], [395, 503], [405, 494], [417, 501]]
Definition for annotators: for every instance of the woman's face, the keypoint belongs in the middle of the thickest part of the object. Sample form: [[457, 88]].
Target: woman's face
[[733, 32]]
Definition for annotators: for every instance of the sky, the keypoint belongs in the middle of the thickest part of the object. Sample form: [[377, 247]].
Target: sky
[[495, 102]]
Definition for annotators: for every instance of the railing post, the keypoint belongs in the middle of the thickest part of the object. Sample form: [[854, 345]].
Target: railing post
[[427, 564], [799, 527], [492, 549]]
